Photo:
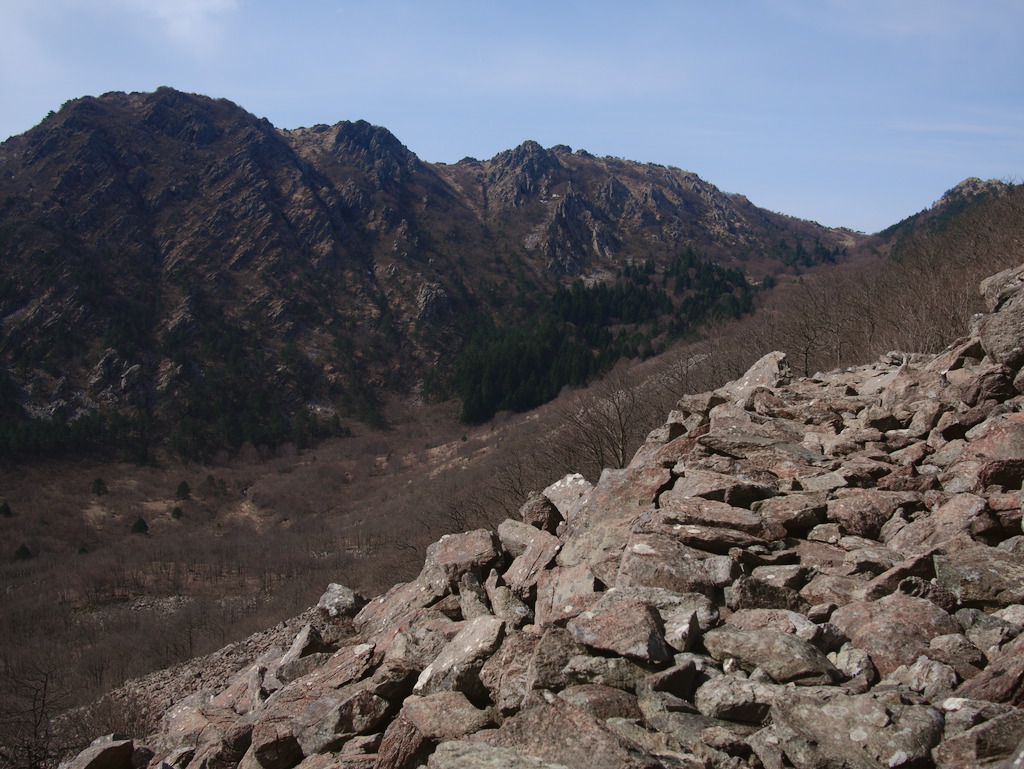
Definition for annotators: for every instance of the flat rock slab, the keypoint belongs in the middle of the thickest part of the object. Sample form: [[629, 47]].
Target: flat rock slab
[[660, 559], [706, 512], [602, 702], [794, 512], [979, 576], [719, 487], [444, 716], [863, 512]]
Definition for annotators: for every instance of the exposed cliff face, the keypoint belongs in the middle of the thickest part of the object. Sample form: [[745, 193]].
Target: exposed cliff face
[[818, 572], [167, 233]]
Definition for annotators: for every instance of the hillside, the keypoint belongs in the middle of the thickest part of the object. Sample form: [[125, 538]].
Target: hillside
[[177, 272], [807, 572]]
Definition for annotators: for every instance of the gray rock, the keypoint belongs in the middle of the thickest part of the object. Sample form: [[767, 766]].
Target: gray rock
[[984, 744], [602, 702], [339, 601], [783, 656], [736, 699], [607, 671], [336, 717], [551, 654], [877, 729], [457, 667], [463, 754], [505, 673], [540, 550], [540, 512], [563, 593]]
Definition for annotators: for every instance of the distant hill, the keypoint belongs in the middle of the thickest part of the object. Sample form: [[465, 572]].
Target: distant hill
[[176, 270]]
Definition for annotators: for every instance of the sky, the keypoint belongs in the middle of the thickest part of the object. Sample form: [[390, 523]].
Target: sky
[[852, 113]]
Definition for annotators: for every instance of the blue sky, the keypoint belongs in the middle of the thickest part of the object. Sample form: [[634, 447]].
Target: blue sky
[[853, 113]]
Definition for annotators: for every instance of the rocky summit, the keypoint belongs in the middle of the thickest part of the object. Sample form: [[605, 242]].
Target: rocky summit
[[817, 573]]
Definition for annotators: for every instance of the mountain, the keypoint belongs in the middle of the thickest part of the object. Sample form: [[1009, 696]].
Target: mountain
[[967, 194], [178, 270]]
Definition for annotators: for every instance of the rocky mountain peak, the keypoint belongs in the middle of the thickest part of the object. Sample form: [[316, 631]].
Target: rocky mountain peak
[[372, 149], [969, 188], [519, 174], [117, 208], [791, 572]]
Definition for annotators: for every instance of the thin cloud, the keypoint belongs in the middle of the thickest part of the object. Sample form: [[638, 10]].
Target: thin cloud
[[195, 24]]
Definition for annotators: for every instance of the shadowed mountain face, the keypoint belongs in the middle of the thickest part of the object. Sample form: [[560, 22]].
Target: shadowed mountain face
[[179, 263]]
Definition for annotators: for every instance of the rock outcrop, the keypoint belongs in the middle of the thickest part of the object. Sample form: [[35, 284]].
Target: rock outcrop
[[814, 573]]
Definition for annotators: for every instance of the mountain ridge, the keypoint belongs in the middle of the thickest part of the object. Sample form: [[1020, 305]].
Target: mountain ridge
[[160, 248]]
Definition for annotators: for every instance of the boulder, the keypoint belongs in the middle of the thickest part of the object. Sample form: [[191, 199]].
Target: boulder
[[457, 667], [894, 630], [339, 601], [783, 656], [627, 628], [877, 729], [554, 730]]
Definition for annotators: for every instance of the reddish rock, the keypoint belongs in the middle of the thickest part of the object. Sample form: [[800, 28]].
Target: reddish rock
[[795, 512], [104, 753], [704, 512], [894, 630], [563, 593], [541, 513], [599, 528], [629, 629], [505, 673], [863, 512], [602, 702], [526, 569], [718, 487], [1003, 678], [660, 559], [554, 730]]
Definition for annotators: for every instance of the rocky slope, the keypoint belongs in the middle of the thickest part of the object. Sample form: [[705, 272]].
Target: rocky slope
[[814, 573], [167, 256]]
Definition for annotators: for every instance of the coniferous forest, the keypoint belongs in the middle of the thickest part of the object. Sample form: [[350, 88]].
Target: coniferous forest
[[584, 329]]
